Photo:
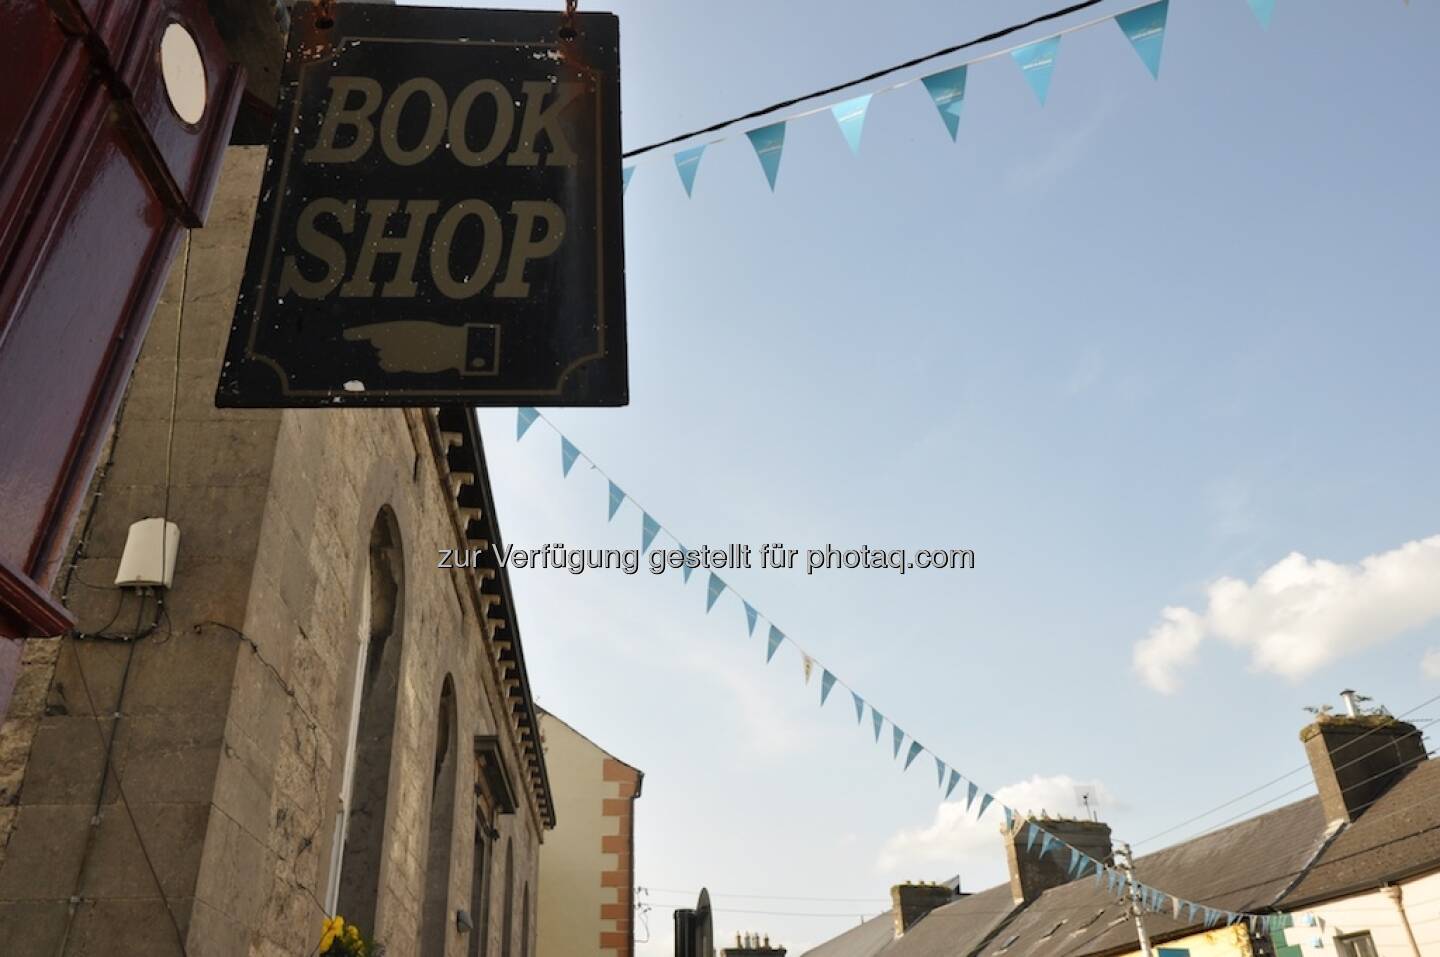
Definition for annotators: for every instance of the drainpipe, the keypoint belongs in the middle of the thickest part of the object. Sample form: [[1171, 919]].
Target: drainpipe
[[1397, 897]]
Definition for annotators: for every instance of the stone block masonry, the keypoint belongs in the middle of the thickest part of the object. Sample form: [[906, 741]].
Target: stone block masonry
[[228, 724]]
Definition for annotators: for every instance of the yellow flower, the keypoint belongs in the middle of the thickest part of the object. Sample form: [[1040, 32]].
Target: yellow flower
[[333, 926]]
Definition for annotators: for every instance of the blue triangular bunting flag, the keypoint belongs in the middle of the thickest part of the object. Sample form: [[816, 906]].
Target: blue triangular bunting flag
[[1145, 29], [947, 90], [850, 116], [568, 455], [751, 616], [687, 162], [625, 175], [827, 681], [1009, 820], [984, 803], [899, 739], [859, 707], [713, 591], [1074, 860], [616, 497], [939, 773], [524, 418], [769, 142], [1046, 842], [1031, 832], [878, 720], [1037, 61], [954, 780], [649, 528], [686, 569], [915, 750], [1264, 10], [776, 636], [970, 791]]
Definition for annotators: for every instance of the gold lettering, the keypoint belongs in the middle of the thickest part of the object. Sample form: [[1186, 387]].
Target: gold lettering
[[337, 115], [499, 134], [325, 248], [541, 119], [406, 246], [490, 243], [434, 123], [527, 246]]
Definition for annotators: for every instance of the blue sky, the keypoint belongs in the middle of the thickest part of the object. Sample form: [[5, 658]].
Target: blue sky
[[1153, 336]]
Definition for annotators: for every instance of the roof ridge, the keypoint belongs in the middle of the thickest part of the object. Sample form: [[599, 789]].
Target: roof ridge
[[584, 737]]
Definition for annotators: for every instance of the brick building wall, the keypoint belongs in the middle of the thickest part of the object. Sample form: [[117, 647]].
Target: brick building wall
[[217, 818]]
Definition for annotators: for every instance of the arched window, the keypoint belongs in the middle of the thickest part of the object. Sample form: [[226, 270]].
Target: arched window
[[353, 887], [435, 918], [480, 894], [507, 929]]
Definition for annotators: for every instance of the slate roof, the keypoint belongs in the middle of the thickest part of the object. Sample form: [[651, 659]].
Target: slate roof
[[866, 940], [1397, 836], [960, 927], [1282, 860]]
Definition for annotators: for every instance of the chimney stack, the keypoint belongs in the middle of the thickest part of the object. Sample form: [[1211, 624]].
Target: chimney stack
[[912, 901], [1032, 875], [753, 945], [1357, 757]]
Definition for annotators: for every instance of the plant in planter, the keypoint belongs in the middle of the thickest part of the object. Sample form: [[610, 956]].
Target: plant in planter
[[339, 939]]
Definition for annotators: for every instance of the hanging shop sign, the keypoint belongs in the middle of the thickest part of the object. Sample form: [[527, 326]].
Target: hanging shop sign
[[440, 217]]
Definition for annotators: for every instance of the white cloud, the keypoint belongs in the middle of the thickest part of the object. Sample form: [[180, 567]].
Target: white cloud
[[1430, 664], [1300, 614], [1170, 645], [941, 846]]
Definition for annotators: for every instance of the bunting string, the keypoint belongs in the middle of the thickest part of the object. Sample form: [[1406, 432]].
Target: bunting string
[[948, 778], [1143, 25]]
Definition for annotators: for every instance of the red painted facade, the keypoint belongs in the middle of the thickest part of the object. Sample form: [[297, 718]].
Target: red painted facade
[[98, 175]]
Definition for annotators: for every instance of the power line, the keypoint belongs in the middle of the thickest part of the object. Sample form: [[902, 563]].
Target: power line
[[851, 915], [1300, 787], [779, 636], [869, 77], [1277, 780], [765, 897]]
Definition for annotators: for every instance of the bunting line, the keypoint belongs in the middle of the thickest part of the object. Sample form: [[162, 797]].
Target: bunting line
[[1143, 25], [1154, 899]]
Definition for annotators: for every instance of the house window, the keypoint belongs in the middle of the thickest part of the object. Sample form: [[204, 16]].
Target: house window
[[1355, 945], [435, 919], [480, 895], [353, 888]]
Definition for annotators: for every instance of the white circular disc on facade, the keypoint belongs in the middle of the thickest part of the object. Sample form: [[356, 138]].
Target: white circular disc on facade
[[183, 72]]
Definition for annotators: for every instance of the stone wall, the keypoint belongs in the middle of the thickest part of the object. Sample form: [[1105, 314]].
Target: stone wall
[[236, 705]]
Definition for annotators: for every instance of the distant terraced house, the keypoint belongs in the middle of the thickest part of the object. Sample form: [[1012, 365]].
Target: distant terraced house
[[1359, 862]]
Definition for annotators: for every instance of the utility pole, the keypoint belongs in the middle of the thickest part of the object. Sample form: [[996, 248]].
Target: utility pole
[[1126, 863]]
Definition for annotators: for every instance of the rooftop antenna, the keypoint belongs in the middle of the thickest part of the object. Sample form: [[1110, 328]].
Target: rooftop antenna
[[1085, 794]]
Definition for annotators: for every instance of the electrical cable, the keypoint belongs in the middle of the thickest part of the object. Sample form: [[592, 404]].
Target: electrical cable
[[876, 75], [766, 897], [1277, 780], [539, 416], [108, 772], [1246, 813], [170, 428]]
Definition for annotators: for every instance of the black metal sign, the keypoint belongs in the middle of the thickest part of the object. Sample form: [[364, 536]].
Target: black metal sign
[[440, 217]]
